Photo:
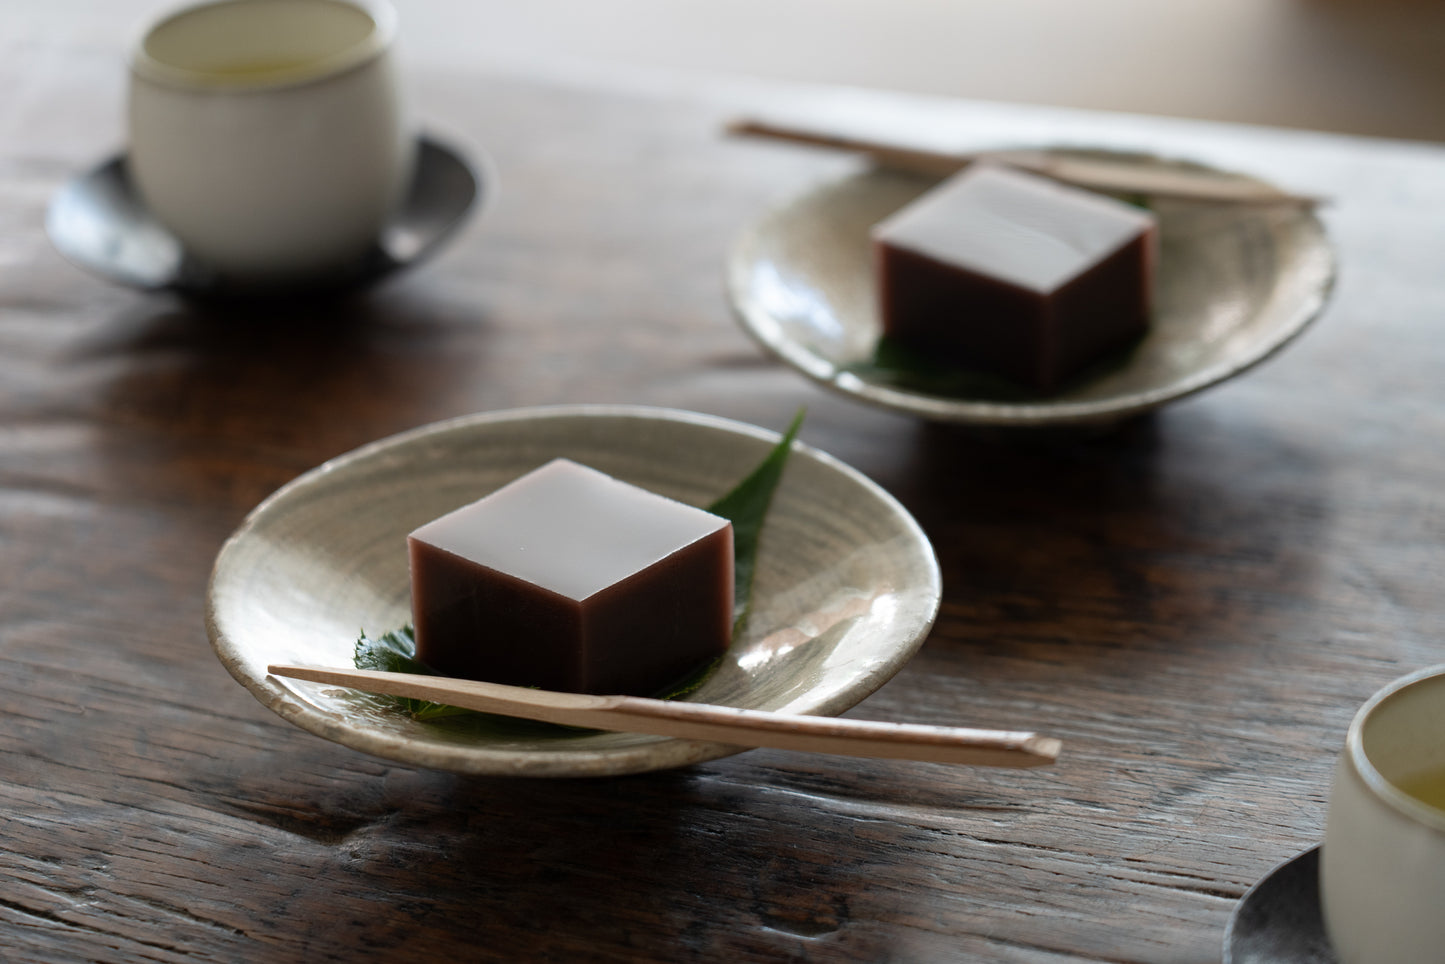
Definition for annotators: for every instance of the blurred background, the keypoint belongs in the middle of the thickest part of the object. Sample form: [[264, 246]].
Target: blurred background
[[1357, 66]]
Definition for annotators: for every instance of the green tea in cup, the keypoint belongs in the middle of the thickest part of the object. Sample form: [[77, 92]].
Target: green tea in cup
[[1427, 786]]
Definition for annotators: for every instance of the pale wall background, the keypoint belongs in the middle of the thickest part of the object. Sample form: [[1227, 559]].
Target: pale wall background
[[1358, 66]]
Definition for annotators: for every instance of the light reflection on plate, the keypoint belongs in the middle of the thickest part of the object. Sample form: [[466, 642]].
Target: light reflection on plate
[[1235, 284], [847, 586]]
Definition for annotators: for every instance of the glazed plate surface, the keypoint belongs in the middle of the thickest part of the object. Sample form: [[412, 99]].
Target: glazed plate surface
[[846, 590], [1235, 283]]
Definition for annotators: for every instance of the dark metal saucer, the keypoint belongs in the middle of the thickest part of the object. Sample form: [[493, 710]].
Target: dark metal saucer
[[1278, 920], [98, 222]]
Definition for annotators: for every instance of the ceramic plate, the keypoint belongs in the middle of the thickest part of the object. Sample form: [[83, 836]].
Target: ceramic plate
[[1235, 283], [846, 589], [1278, 921]]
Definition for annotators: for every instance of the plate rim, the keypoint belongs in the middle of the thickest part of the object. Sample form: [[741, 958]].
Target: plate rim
[[764, 329], [654, 754]]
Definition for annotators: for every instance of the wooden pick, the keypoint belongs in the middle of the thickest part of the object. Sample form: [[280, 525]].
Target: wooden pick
[[700, 721], [1099, 174]]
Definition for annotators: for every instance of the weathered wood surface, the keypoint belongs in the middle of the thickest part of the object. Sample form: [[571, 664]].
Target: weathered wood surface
[[1195, 602]]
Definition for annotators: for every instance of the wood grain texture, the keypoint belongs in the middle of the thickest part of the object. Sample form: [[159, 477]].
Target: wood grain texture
[[1231, 576]]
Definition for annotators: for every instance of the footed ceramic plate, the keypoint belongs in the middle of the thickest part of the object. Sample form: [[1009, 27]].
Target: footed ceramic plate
[[1234, 284], [846, 589]]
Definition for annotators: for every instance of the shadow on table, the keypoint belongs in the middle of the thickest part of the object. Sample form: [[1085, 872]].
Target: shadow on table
[[271, 388], [543, 869], [1173, 523]]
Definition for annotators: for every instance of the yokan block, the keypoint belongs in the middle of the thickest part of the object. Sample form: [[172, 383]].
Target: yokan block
[[1001, 271], [569, 579]]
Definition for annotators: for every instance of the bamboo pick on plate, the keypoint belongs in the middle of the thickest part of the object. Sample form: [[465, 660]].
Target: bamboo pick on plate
[[1096, 173], [700, 721]]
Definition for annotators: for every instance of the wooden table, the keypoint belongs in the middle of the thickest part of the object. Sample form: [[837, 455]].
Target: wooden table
[[1195, 602]]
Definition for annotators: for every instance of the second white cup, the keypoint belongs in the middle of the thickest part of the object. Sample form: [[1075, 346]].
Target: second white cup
[[1382, 868], [269, 135]]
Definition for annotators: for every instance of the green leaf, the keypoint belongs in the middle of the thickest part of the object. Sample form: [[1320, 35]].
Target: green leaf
[[395, 652], [901, 366], [745, 506]]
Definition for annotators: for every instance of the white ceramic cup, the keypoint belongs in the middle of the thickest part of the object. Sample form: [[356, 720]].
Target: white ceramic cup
[[1382, 869], [268, 135]]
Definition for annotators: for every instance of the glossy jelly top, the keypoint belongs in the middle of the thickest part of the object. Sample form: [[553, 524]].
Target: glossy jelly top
[[1019, 228], [569, 529]]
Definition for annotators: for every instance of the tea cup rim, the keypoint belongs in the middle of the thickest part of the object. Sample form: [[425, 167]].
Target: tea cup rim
[[376, 42], [1383, 789]]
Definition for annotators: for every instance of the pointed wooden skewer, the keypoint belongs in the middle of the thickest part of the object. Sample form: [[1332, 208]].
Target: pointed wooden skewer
[[1099, 174], [700, 721]]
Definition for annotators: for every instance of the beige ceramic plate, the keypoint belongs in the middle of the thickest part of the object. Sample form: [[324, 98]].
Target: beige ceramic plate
[[846, 589], [1235, 283]]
